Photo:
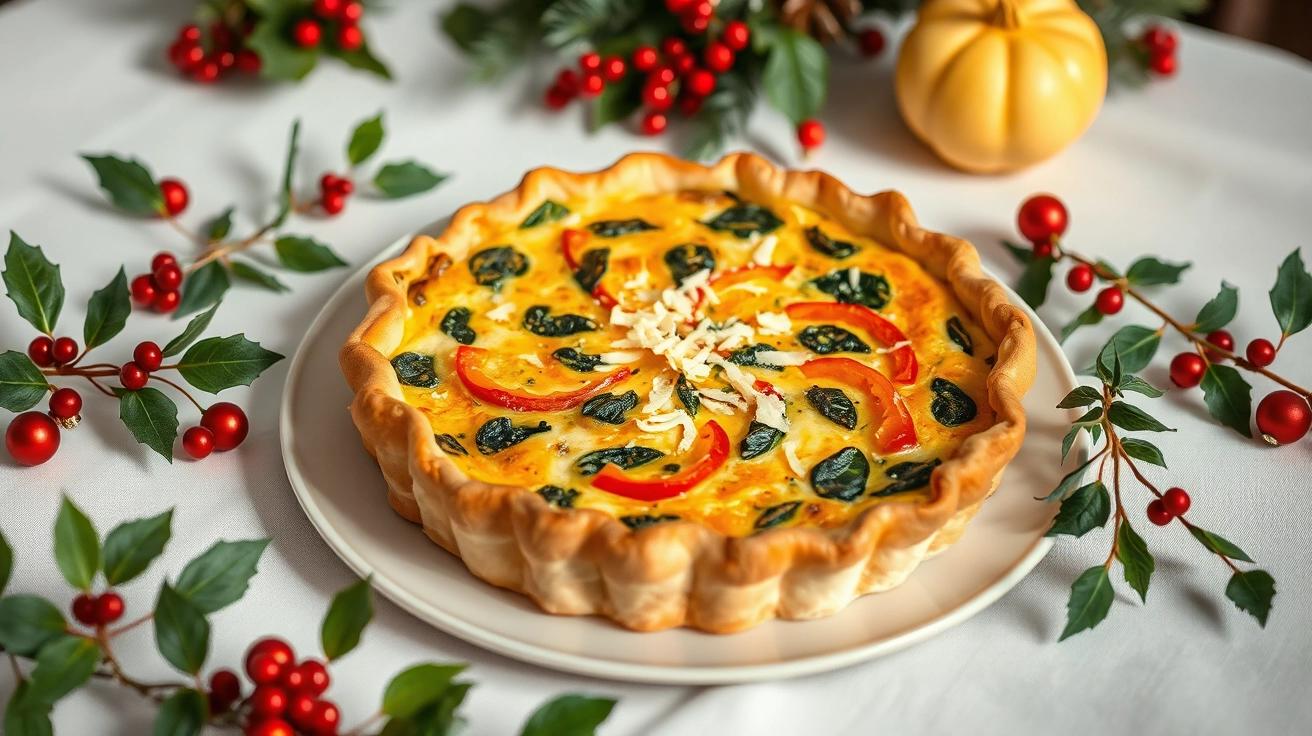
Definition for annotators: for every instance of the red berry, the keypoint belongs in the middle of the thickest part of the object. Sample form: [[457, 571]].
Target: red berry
[[42, 351], [645, 58], [1176, 502], [1042, 218], [557, 98], [590, 62], [327, 9], [270, 727], [187, 56], [351, 13], [228, 423], [109, 608], [1110, 300], [703, 9], [189, 32], [350, 38], [1187, 370], [695, 25], [307, 33], [661, 75], [332, 202], [268, 701], [345, 186], [281, 652], [678, 7], [143, 290], [84, 609], [32, 438], [1283, 417], [263, 669], [871, 42], [314, 676], [718, 57], [1159, 40], [1261, 352], [613, 68], [168, 277], [249, 62], [1043, 250], [674, 46], [225, 689], [162, 258], [325, 718], [207, 72], [226, 59], [132, 376], [683, 65], [811, 133], [568, 82], [591, 85], [657, 97], [300, 710], [65, 403], [1158, 514], [736, 35], [328, 182], [1163, 64], [653, 123], [166, 301], [175, 196], [221, 37], [690, 104], [1221, 339], [699, 83], [198, 442], [1080, 278], [64, 350]]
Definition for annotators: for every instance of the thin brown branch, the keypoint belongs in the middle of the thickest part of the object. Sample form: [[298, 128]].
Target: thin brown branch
[[181, 390], [130, 626]]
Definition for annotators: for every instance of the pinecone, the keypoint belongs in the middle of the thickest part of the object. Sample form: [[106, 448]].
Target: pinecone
[[827, 20]]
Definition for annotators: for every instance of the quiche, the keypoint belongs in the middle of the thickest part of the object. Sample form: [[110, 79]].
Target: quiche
[[677, 395]]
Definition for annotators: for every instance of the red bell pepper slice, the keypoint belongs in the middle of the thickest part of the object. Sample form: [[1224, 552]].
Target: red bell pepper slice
[[711, 450], [469, 367], [725, 279], [905, 366], [571, 241], [895, 431], [767, 388]]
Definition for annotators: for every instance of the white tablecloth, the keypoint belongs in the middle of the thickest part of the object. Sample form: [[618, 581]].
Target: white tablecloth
[[1214, 167]]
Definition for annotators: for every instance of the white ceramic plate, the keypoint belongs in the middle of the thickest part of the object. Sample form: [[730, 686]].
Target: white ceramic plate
[[343, 493]]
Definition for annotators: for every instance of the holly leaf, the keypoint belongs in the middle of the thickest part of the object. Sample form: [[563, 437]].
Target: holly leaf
[[1137, 345], [27, 623], [1080, 396], [205, 286], [33, 283], [396, 180], [77, 546], [152, 418], [1291, 297], [1218, 544], [22, 385], [1083, 511], [1033, 284], [280, 58], [796, 75], [285, 196], [181, 632], [418, 687], [23, 718], [1229, 398], [247, 272], [220, 576], [1021, 253], [193, 330], [219, 363], [365, 140], [62, 666], [1143, 450], [1090, 316], [362, 58], [182, 714], [1219, 312], [1140, 386], [1091, 599], [6, 562], [616, 102], [465, 24], [107, 312], [351, 610], [1136, 560], [306, 255], [1152, 272], [132, 546], [128, 184], [218, 228], [1252, 592], [1068, 441], [569, 715], [1133, 419], [1069, 483]]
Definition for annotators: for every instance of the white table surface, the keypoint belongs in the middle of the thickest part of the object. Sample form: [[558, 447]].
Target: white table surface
[[1214, 166]]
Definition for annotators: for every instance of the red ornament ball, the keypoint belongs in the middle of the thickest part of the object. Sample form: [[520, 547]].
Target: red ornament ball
[[736, 35], [699, 83], [350, 38], [175, 195], [871, 42], [1080, 278], [64, 350], [1187, 370], [42, 351], [1110, 300], [307, 33], [1221, 339], [1042, 218], [198, 442], [228, 423], [249, 62], [270, 727], [1283, 417], [613, 68], [653, 123], [109, 608], [325, 718], [645, 58], [674, 46], [32, 438], [351, 13], [1158, 514], [166, 301], [811, 133], [84, 609], [1261, 352], [144, 290], [718, 57], [327, 9], [161, 259], [1163, 64], [225, 689], [300, 710], [268, 701], [1176, 502], [65, 403], [168, 277], [132, 376]]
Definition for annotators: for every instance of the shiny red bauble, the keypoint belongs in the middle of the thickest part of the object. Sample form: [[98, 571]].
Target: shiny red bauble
[[42, 351], [350, 38], [144, 290], [1080, 278], [811, 133], [1110, 300], [1042, 218], [645, 58], [699, 83], [65, 403], [613, 68], [1158, 514], [1187, 370], [175, 195], [871, 42], [1176, 502], [325, 718], [147, 355], [307, 33], [198, 442], [166, 301], [1221, 339], [653, 123], [84, 609], [1283, 417], [225, 689], [64, 350], [32, 438], [268, 701], [736, 35], [270, 727], [132, 376], [718, 57], [1261, 352], [109, 608]]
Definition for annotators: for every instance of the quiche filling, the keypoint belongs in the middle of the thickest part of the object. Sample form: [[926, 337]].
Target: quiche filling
[[694, 356]]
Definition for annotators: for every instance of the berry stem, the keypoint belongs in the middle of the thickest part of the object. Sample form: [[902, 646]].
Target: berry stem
[[181, 390], [189, 235], [157, 692], [130, 626]]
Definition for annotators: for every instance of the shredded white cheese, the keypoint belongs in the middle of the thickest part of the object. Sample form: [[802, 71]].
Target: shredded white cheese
[[773, 323], [501, 313], [854, 278], [781, 358], [795, 464], [666, 422], [765, 251], [621, 357], [638, 282], [661, 391], [531, 359]]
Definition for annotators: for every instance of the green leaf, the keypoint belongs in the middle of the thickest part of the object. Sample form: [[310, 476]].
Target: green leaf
[[1069, 440], [220, 576], [1152, 272], [1080, 396], [546, 212], [363, 59], [1083, 511], [1219, 312], [574, 23], [1218, 544], [182, 714], [1090, 316], [616, 102], [365, 140], [351, 610], [107, 312], [396, 180], [218, 363], [1091, 599], [152, 418], [509, 35], [23, 718], [77, 546], [569, 715], [22, 386], [416, 688], [62, 666], [205, 286], [247, 272], [306, 255], [128, 184], [132, 546], [27, 623], [1228, 397], [1023, 254], [1033, 284], [1137, 346], [439, 718], [1140, 386], [1133, 419], [796, 75], [181, 632], [286, 198], [33, 284], [218, 228], [1070, 482], [1252, 592], [1143, 450], [6, 562], [194, 329], [1135, 558], [465, 24], [280, 58], [1291, 297]]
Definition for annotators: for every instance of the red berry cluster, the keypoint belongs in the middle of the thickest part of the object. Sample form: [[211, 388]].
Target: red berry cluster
[[1043, 219], [286, 699], [333, 191], [341, 19], [1172, 504], [159, 289], [1160, 44], [223, 426], [98, 610], [225, 51]]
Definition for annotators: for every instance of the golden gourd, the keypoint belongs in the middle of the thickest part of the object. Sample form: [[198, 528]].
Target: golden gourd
[[997, 85]]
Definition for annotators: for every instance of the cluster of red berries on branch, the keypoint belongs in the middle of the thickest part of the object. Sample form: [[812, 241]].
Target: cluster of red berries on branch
[[287, 695], [1159, 45], [161, 289], [337, 19], [93, 610], [333, 191], [207, 57]]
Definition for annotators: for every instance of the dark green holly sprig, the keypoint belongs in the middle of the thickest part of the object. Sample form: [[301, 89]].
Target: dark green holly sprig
[[53, 657], [1089, 506], [132, 188], [210, 365]]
